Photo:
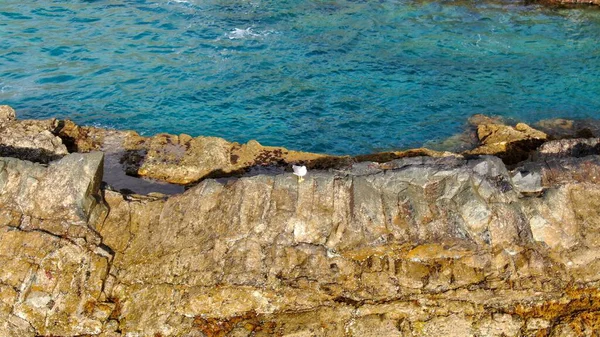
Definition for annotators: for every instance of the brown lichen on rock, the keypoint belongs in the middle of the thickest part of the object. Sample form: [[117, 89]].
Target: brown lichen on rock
[[79, 138]]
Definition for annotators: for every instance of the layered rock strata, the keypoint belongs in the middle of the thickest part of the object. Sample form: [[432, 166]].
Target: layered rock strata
[[415, 247], [434, 245]]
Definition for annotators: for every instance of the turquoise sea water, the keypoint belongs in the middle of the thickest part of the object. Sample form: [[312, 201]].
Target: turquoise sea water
[[342, 77]]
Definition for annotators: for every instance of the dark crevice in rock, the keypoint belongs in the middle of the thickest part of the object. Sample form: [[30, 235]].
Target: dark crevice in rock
[[276, 167], [76, 138], [566, 148], [107, 249], [349, 301], [69, 141], [519, 151], [47, 232], [516, 152], [321, 164]]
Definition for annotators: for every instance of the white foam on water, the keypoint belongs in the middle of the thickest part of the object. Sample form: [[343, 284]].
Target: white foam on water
[[247, 33], [237, 33]]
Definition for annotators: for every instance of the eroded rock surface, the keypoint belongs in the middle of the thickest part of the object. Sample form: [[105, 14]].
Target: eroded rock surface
[[560, 128], [29, 139], [409, 243], [569, 2], [184, 160], [414, 247], [512, 144], [53, 263], [179, 159]]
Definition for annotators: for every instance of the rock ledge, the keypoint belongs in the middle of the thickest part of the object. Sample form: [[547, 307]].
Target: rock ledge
[[416, 246]]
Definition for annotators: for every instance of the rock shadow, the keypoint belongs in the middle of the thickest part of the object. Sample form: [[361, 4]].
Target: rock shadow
[[35, 155]]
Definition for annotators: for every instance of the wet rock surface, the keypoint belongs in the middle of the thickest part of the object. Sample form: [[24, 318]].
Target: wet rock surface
[[411, 243]]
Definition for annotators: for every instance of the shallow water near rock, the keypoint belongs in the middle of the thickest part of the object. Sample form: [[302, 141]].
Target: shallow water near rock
[[339, 77]]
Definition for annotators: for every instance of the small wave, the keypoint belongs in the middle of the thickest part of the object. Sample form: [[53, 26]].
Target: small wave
[[247, 33], [182, 3]]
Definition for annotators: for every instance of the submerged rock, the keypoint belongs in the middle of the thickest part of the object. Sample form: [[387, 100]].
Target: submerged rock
[[565, 128]]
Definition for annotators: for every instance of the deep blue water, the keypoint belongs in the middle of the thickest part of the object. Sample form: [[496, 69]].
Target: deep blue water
[[326, 76]]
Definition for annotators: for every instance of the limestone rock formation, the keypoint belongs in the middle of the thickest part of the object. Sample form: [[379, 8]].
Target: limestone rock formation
[[53, 263], [569, 2], [565, 128], [415, 247], [186, 160], [512, 144], [175, 159], [411, 243], [569, 148], [7, 114], [182, 159], [29, 139], [179, 159]]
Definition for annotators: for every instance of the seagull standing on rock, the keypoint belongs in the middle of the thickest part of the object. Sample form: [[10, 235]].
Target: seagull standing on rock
[[300, 171]]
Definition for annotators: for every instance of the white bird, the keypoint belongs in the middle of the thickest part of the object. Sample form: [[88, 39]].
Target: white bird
[[300, 171]]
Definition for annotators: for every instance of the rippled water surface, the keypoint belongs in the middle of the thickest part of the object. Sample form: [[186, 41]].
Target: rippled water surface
[[328, 76]]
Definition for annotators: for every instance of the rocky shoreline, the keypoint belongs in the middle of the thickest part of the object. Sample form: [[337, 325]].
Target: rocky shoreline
[[569, 3], [500, 239]]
